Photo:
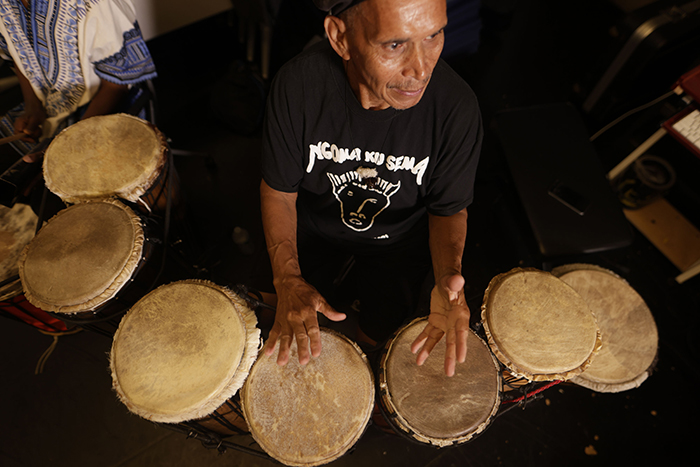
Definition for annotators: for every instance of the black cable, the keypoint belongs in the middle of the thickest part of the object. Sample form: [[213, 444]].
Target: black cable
[[630, 112]]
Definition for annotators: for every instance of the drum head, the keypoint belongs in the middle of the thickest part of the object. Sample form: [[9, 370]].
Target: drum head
[[17, 226], [430, 406], [183, 350], [310, 415], [538, 326], [82, 257], [628, 330], [104, 156]]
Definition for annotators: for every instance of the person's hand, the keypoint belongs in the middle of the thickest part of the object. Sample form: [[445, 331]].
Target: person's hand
[[449, 316], [31, 123], [33, 157], [295, 318]]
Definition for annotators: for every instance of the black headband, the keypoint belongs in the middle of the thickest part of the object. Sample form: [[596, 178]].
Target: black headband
[[335, 7]]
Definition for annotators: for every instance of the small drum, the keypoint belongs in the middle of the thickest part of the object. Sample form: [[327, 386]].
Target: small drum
[[109, 156], [429, 407], [17, 226], [310, 415], [538, 326], [629, 335], [184, 350], [82, 260]]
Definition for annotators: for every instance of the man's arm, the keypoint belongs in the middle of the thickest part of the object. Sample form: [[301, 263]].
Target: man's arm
[[449, 313], [31, 121], [297, 300], [106, 99], [103, 102]]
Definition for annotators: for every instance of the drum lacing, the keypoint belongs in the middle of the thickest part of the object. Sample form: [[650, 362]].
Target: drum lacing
[[223, 421], [211, 441]]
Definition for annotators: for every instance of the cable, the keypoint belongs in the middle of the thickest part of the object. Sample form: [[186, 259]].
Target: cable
[[630, 112]]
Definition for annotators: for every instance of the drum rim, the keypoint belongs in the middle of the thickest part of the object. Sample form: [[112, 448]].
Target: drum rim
[[119, 282], [515, 369], [583, 379], [403, 424], [10, 289], [131, 192], [339, 452], [252, 346]]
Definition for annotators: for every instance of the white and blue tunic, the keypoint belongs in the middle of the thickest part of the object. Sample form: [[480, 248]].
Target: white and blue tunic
[[64, 48]]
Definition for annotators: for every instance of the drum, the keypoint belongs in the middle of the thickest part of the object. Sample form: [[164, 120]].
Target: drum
[[539, 327], [310, 415], [17, 226], [89, 262], [629, 335], [427, 406], [183, 351], [110, 156]]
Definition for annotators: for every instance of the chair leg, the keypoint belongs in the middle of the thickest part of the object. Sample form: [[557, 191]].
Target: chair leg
[[265, 48], [251, 43]]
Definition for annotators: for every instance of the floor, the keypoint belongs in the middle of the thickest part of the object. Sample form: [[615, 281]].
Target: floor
[[534, 52]]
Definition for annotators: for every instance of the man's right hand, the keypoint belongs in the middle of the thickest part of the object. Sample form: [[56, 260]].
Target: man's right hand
[[31, 123], [295, 318]]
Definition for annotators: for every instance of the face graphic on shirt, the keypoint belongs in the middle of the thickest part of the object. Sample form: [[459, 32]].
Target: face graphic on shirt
[[361, 202]]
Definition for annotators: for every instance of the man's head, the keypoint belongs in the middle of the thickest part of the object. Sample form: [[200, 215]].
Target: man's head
[[389, 48]]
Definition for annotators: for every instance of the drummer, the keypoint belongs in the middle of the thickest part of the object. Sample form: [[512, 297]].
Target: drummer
[[88, 67], [370, 149]]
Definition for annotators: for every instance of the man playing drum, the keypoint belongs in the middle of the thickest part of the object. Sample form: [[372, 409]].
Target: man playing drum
[[371, 146], [69, 55]]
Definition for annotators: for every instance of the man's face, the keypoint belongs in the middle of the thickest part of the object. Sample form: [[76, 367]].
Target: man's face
[[394, 46]]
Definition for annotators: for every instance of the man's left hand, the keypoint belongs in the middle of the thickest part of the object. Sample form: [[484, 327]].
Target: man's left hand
[[449, 316]]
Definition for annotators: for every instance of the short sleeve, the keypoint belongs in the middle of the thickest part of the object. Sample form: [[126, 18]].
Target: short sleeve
[[117, 51], [283, 158], [451, 184]]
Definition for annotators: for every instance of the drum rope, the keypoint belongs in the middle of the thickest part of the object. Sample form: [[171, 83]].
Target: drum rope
[[47, 353], [166, 225], [531, 394]]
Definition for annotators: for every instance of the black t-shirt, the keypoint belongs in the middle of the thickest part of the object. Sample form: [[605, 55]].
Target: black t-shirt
[[367, 177]]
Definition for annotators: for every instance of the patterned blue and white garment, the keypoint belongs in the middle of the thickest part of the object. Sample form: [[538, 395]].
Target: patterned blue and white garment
[[64, 48]]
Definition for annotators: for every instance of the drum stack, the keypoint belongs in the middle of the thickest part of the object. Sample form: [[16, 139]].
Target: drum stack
[[94, 259], [581, 323]]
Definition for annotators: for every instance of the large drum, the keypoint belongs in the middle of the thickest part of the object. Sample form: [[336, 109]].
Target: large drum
[[110, 156], [88, 262], [539, 327], [427, 406], [17, 227], [310, 415], [182, 352], [629, 334]]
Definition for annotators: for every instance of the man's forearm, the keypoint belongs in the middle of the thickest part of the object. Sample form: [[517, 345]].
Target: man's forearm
[[279, 216], [447, 237], [106, 100], [31, 101]]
